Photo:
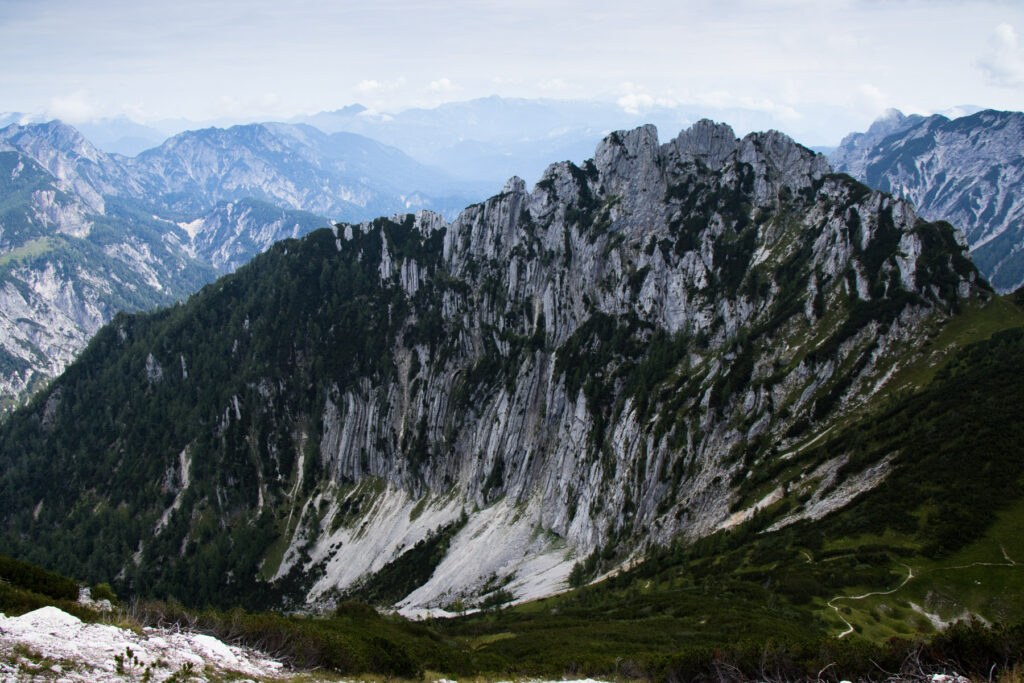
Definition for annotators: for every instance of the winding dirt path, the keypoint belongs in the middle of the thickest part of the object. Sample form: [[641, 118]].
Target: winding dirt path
[[911, 575], [849, 626]]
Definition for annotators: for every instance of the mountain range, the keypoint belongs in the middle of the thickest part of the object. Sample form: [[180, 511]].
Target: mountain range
[[663, 343], [684, 409], [87, 234], [213, 198], [967, 171], [492, 138], [496, 137], [67, 267]]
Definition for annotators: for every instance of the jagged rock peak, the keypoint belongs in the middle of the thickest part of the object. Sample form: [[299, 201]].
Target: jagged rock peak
[[782, 152], [514, 185], [51, 139], [632, 144], [631, 160], [778, 160], [428, 221], [706, 141], [630, 163], [710, 143]]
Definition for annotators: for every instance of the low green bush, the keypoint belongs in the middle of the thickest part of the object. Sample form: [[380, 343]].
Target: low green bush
[[36, 579]]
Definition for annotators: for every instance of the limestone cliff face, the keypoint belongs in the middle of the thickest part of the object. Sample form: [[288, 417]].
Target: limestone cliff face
[[748, 254], [967, 171], [230, 234], [630, 352]]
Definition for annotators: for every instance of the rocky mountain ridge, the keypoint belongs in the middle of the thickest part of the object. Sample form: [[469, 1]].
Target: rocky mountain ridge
[[344, 176], [967, 171], [634, 351]]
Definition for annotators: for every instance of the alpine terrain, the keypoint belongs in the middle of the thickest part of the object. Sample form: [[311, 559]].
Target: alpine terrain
[[86, 234], [660, 345], [69, 261], [967, 171]]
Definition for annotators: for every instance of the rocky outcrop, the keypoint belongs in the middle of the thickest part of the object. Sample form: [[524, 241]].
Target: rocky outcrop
[[48, 642]]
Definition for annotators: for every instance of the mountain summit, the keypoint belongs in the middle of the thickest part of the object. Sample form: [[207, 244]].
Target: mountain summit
[[418, 412]]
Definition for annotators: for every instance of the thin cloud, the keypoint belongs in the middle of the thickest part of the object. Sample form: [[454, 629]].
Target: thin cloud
[[373, 86], [1004, 64], [442, 85], [73, 108], [637, 103]]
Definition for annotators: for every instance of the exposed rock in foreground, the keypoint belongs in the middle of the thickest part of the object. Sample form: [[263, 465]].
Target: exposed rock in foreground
[[49, 644]]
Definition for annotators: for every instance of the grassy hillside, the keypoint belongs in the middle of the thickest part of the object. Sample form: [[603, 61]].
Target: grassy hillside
[[873, 586], [937, 541]]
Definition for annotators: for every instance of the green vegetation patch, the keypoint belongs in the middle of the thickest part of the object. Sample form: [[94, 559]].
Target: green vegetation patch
[[31, 249], [28, 576], [410, 570]]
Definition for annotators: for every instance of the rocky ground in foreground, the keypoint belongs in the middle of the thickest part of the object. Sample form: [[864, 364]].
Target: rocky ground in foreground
[[49, 644]]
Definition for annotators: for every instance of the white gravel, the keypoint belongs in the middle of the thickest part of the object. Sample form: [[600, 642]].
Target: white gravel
[[50, 644]]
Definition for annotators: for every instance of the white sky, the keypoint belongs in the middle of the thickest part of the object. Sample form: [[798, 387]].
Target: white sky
[[259, 60]]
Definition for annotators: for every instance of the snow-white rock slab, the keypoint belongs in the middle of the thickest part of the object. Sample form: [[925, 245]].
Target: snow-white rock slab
[[69, 649]]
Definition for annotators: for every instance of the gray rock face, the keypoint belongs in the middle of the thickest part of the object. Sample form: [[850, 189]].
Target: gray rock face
[[742, 255], [854, 153], [230, 234], [70, 260], [967, 171], [73, 161], [625, 354]]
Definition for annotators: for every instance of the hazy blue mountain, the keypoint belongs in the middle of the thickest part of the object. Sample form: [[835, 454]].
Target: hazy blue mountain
[[495, 137], [75, 162], [7, 118], [968, 171], [344, 176], [121, 135]]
